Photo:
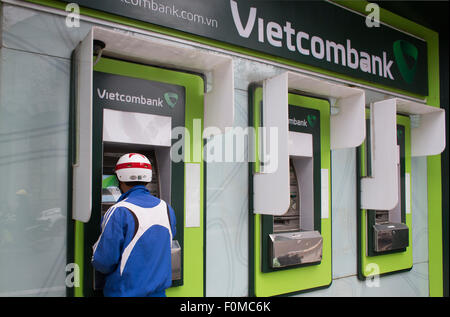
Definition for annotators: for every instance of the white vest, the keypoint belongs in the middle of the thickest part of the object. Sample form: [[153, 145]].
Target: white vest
[[146, 218]]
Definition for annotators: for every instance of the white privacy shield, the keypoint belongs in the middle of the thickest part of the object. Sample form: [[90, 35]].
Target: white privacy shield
[[347, 129], [271, 187], [379, 191], [135, 47]]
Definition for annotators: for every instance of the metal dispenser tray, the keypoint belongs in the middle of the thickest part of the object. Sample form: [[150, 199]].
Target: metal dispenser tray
[[285, 223], [293, 248], [390, 236], [176, 260]]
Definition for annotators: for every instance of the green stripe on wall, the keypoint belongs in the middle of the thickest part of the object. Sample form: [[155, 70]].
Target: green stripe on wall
[[435, 258], [79, 255]]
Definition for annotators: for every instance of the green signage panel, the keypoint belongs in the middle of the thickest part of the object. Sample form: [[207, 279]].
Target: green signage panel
[[316, 33]]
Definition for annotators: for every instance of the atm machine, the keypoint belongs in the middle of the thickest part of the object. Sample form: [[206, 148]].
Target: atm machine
[[386, 229], [111, 192], [384, 235], [287, 250], [294, 237], [136, 108], [294, 241]]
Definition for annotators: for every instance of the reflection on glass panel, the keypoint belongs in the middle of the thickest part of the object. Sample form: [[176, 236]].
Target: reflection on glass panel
[[227, 218], [40, 32], [33, 163]]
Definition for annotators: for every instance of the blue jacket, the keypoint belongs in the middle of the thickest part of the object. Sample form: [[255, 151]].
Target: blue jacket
[[136, 262]]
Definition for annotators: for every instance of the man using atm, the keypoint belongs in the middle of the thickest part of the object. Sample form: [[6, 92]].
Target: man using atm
[[134, 247]]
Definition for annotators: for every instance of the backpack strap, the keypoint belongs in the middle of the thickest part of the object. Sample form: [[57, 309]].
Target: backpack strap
[[168, 216]]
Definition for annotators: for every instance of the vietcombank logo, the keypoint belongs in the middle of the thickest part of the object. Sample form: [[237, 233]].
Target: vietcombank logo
[[406, 55], [171, 99], [312, 120]]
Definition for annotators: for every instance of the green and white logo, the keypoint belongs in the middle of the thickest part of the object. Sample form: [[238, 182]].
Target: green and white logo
[[171, 98], [311, 120], [406, 55]]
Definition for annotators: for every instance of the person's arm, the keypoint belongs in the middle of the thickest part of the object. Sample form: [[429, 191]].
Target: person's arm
[[108, 248]]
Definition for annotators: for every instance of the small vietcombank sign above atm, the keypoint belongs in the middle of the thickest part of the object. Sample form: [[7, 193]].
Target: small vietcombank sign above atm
[[315, 33]]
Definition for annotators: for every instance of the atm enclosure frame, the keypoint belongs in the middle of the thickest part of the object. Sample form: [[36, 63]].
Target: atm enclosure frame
[[190, 238], [399, 259], [266, 280]]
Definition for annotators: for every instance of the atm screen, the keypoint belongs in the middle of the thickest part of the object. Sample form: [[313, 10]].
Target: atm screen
[[154, 185], [110, 189], [110, 184]]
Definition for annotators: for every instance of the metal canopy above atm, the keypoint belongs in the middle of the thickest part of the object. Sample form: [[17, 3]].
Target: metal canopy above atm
[[133, 47], [347, 129], [378, 191]]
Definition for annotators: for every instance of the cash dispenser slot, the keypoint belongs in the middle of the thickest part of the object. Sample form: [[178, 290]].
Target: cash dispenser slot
[[294, 240], [176, 260], [290, 221], [389, 233], [390, 236], [294, 248]]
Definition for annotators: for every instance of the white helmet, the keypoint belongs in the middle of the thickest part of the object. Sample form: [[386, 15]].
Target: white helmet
[[133, 167]]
